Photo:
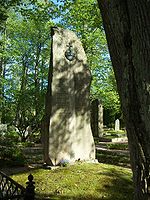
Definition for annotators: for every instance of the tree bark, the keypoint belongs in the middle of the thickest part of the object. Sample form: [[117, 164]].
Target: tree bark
[[126, 24], [20, 111], [2, 72], [46, 119], [36, 80], [1, 90]]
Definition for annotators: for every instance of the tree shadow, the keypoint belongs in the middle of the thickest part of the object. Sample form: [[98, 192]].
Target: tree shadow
[[113, 158], [120, 187], [16, 170]]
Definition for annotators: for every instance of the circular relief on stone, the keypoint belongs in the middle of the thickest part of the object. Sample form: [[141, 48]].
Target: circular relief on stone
[[70, 53]]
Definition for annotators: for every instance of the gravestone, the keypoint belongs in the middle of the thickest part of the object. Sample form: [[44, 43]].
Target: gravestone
[[97, 118], [117, 125], [67, 131], [94, 117], [100, 120]]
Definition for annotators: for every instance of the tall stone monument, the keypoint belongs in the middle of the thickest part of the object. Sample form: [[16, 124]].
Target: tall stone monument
[[66, 127]]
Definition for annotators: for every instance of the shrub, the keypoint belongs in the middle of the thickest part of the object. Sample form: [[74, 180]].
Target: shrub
[[13, 155], [9, 138]]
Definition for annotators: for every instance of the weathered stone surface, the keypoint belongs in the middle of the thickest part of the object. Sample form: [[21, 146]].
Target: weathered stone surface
[[94, 117], [97, 118], [69, 132], [100, 120], [117, 125]]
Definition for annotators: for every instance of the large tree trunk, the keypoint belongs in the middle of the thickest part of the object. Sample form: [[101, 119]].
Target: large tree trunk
[[126, 24]]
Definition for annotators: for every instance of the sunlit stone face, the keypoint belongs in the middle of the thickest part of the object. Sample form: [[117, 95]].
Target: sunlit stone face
[[70, 136]]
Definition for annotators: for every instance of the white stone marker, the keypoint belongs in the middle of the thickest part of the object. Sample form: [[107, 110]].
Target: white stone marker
[[117, 125]]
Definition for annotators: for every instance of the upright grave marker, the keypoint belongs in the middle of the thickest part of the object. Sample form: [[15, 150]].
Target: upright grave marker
[[67, 131], [117, 125], [97, 118]]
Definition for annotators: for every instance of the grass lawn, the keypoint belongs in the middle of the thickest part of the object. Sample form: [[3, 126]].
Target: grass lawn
[[113, 158], [81, 181]]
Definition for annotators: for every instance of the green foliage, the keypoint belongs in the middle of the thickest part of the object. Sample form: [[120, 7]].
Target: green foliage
[[9, 137], [12, 156], [5, 6], [10, 152], [25, 58], [83, 17], [26, 52]]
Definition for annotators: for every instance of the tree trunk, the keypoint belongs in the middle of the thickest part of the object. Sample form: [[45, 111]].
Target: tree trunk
[[126, 24], [2, 69], [36, 80], [1, 89], [19, 111]]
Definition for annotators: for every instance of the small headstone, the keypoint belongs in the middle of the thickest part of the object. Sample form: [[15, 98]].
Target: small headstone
[[100, 120], [97, 118], [94, 117], [117, 125]]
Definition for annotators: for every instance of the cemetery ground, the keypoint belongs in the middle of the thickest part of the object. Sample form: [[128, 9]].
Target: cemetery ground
[[110, 179]]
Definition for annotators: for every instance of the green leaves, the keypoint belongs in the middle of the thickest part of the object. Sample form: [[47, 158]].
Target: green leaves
[[26, 52]]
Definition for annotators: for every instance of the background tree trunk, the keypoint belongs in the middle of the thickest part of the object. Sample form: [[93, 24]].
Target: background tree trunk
[[36, 80], [126, 24], [19, 111], [2, 69], [2, 97]]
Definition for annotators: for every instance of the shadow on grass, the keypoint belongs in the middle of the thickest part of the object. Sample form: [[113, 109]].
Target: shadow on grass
[[120, 187], [15, 170], [113, 158]]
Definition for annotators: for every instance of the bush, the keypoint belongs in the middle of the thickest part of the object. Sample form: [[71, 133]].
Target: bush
[[9, 138], [13, 155]]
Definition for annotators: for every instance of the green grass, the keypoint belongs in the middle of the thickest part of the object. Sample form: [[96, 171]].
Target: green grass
[[114, 134], [113, 158], [81, 181], [118, 146]]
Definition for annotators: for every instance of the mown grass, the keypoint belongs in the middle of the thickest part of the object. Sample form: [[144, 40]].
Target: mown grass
[[81, 181], [114, 134], [113, 158], [118, 146]]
